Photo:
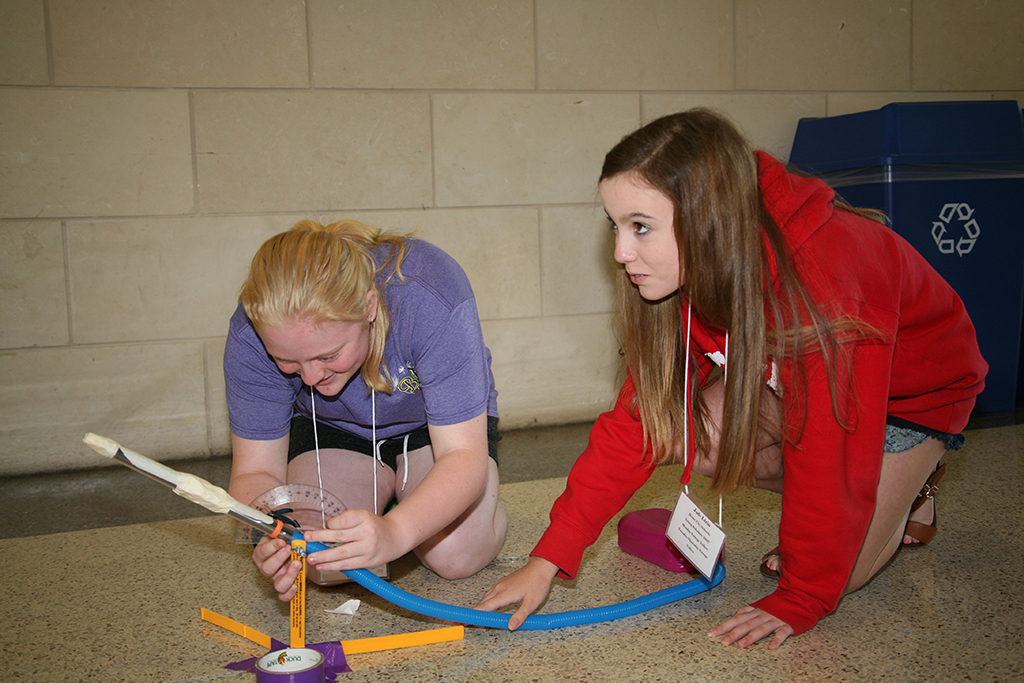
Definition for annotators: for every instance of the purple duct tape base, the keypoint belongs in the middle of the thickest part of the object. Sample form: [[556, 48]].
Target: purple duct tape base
[[334, 659]]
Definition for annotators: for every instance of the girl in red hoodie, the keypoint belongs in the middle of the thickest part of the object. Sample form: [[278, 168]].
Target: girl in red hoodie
[[803, 347]]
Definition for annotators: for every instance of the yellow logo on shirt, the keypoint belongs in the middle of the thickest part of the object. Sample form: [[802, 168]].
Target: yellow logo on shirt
[[410, 384]]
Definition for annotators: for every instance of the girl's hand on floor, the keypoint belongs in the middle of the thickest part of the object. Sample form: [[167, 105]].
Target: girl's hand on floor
[[527, 587], [750, 625]]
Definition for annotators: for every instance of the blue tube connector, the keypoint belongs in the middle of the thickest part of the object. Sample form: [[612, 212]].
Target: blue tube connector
[[534, 622]]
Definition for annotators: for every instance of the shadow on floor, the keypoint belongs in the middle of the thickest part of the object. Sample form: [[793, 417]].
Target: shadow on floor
[[114, 496], [35, 505]]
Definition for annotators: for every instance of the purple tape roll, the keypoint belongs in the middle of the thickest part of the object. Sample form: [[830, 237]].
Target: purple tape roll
[[291, 665]]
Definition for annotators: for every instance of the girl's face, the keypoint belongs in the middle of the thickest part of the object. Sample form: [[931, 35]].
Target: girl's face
[[325, 355], [645, 239]]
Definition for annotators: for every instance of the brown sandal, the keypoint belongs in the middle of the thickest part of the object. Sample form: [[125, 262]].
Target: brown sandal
[[923, 533], [768, 571]]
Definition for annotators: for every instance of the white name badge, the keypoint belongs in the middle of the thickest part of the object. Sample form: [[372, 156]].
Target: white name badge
[[698, 538]]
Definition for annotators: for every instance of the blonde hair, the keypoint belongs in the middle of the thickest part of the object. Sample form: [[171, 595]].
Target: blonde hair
[[726, 239], [317, 274]]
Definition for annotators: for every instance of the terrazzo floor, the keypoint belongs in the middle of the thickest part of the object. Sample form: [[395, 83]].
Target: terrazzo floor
[[106, 574]]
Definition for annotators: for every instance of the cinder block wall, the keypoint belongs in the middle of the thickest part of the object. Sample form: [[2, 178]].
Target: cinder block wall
[[147, 147]]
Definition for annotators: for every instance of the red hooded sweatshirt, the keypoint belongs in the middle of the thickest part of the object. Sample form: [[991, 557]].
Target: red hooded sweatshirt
[[925, 367]]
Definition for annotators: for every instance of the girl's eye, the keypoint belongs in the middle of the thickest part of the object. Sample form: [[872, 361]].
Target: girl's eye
[[327, 359], [640, 228]]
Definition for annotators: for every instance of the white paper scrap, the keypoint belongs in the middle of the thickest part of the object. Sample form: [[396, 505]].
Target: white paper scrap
[[349, 607]]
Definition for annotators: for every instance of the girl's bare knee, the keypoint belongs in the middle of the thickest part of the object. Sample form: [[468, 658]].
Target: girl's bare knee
[[468, 545], [452, 568], [454, 564]]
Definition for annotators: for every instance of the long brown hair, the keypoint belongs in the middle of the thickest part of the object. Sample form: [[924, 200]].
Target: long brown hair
[[726, 241], [316, 273]]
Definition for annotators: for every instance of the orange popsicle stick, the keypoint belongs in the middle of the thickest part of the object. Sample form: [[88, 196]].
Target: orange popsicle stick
[[437, 635], [298, 603], [235, 627]]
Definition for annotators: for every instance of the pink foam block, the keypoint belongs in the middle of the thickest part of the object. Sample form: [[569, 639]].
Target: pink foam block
[[642, 533]]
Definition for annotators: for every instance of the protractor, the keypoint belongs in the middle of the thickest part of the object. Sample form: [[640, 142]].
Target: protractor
[[307, 506]]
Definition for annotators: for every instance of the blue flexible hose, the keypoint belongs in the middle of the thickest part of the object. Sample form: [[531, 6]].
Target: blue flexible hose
[[534, 622]]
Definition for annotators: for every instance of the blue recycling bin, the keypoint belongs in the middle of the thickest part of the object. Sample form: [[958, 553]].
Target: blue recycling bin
[[950, 176]]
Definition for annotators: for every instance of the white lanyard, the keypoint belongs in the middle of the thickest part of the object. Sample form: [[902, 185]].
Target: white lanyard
[[374, 443], [316, 445]]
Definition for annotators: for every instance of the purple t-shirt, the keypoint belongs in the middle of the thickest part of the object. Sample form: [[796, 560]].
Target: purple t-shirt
[[434, 351]]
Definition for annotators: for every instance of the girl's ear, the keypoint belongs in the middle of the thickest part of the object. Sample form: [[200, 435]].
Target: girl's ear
[[371, 305]]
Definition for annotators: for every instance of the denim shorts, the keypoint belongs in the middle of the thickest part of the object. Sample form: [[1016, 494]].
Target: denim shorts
[[902, 435]]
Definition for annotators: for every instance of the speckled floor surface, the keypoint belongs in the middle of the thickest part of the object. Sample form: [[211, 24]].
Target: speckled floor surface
[[122, 603]]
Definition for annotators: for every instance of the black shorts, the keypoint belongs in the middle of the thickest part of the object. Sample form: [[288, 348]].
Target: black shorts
[[301, 440]]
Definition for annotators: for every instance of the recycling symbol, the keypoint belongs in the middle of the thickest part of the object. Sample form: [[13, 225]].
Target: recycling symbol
[[955, 219]]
